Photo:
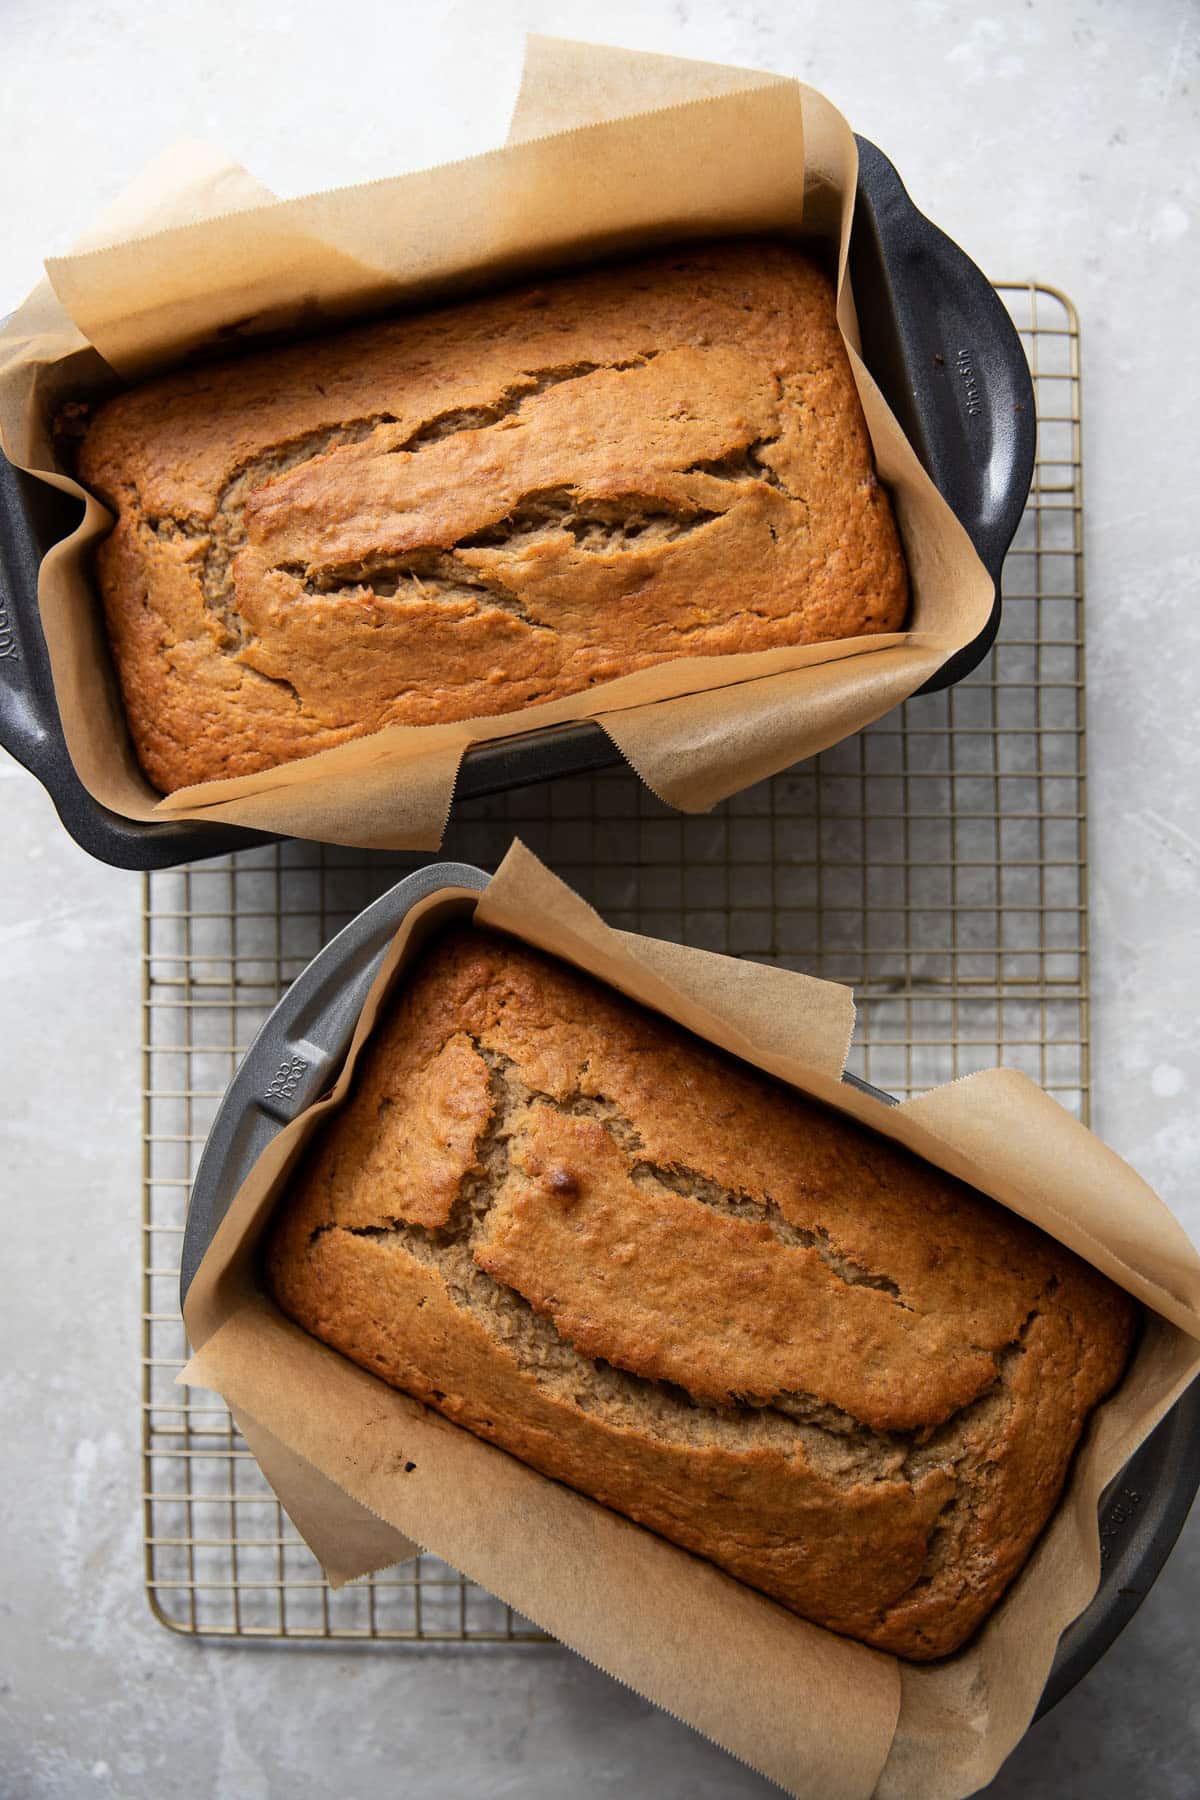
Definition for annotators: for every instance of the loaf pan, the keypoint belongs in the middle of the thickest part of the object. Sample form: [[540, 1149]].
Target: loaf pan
[[936, 338], [296, 1057]]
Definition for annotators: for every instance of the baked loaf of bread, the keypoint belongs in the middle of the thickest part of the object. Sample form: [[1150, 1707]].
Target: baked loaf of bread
[[460, 513], [764, 1332]]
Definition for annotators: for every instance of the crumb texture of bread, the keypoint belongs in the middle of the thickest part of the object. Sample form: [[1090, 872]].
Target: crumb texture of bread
[[456, 514], [721, 1309]]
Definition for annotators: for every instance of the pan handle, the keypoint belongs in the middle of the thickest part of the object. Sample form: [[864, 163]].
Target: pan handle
[[947, 356], [34, 515], [29, 722]]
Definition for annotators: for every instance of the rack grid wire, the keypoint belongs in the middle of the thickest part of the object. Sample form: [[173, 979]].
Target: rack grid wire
[[937, 863]]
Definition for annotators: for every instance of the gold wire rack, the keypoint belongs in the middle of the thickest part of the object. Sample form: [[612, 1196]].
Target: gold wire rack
[[937, 862]]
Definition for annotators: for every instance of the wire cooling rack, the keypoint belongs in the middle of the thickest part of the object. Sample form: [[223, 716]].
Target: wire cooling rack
[[937, 862]]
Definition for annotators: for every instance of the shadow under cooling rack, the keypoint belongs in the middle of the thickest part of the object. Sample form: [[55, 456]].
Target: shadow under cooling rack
[[937, 863]]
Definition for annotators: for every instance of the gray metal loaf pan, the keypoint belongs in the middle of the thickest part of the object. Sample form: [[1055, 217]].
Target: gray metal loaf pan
[[296, 1057]]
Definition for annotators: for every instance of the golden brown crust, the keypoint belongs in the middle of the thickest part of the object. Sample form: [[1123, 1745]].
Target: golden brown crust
[[460, 513], [725, 1311]]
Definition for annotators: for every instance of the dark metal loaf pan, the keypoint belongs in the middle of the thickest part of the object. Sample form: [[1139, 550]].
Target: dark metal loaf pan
[[295, 1058], [936, 338]]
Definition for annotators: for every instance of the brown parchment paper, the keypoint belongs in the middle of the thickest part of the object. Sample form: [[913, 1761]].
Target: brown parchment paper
[[347, 1540], [826, 1718], [609, 150]]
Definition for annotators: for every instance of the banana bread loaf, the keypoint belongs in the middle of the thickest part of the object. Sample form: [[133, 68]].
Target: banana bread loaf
[[456, 514], [723, 1310]]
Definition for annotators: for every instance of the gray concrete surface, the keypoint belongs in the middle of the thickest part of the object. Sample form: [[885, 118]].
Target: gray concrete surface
[[1053, 139]]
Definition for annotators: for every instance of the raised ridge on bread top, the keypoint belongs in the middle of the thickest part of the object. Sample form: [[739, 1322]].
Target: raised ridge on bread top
[[459, 513], [720, 1308]]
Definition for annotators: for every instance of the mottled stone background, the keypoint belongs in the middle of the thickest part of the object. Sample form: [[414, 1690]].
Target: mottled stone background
[[1053, 139]]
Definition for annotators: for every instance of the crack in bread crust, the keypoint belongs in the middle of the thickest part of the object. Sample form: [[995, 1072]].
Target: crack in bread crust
[[903, 1536], [745, 462], [420, 576], [510, 400], [598, 527], [690, 1182], [225, 533]]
